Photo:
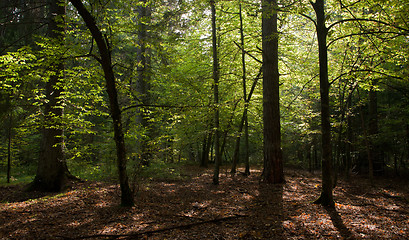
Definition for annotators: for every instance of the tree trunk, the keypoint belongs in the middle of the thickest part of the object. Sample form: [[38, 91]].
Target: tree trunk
[[105, 60], [326, 198], [206, 149], [244, 123], [237, 147], [217, 161], [273, 162], [9, 146], [143, 83], [309, 159], [348, 150], [52, 170], [372, 132]]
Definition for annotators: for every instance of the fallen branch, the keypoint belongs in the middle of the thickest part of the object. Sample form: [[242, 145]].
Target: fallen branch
[[150, 232]]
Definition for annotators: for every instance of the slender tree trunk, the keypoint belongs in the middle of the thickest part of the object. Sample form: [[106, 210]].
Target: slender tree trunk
[[216, 96], [309, 158], [246, 146], [243, 123], [372, 132], [273, 162], [52, 171], [407, 147], [9, 147], [326, 198], [105, 60], [237, 147], [366, 140], [143, 82], [245, 98], [348, 150], [206, 149]]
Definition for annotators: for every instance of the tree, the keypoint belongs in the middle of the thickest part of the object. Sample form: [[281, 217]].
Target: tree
[[52, 171], [106, 63], [216, 96], [244, 122], [273, 160], [326, 198], [143, 71]]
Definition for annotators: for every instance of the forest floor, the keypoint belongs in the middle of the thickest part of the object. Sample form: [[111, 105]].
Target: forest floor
[[193, 208]]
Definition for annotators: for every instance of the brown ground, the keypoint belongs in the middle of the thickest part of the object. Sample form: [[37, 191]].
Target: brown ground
[[239, 208]]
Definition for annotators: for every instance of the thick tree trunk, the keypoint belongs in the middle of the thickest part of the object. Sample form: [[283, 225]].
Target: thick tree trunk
[[52, 170], [105, 60], [216, 96], [326, 198], [273, 162]]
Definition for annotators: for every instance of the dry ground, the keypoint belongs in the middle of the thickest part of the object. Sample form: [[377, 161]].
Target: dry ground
[[239, 208]]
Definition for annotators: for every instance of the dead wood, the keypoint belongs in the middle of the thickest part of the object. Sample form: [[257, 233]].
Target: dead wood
[[150, 232]]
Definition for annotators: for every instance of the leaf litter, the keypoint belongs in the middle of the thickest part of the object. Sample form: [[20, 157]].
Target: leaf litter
[[239, 208]]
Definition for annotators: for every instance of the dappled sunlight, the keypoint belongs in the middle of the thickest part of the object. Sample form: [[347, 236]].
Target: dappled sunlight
[[238, 208]]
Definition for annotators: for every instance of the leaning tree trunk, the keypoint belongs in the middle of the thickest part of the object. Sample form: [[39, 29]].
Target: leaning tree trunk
[[51, 169], [217, 161], [326, 198], [273, 161], [105, 60]]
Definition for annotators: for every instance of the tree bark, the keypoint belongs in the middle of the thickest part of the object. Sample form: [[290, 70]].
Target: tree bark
[[326, 198], [143, 83], [244, 121], [206, 149], [9, 146], [52, 170], [372, 132], [216, 96], [273, 161], [105, 60]]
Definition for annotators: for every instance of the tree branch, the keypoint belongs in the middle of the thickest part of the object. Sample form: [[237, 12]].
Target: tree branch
[[253, 57], [366, 20], [150, 232]]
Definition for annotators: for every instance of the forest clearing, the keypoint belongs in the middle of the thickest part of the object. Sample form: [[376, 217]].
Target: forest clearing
[[193, 208]]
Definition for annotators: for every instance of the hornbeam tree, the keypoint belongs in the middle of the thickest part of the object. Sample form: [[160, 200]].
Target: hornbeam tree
[[216, 96], [106, 63], [326, 198]]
